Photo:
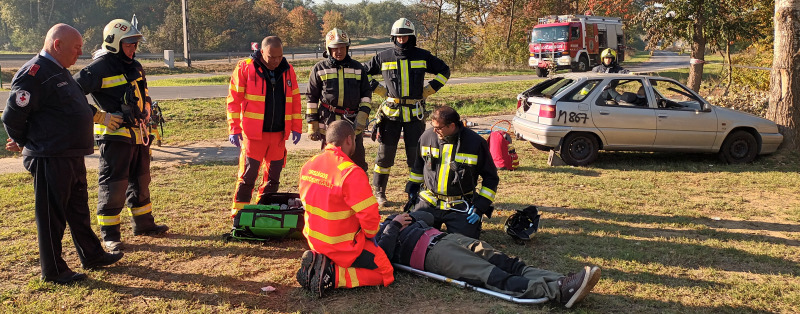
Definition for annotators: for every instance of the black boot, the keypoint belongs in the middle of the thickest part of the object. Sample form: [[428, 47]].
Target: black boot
[[145, 225], [379, 182], [111, 238]]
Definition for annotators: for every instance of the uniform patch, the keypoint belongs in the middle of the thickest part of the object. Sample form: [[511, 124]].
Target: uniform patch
[[61, 84], [23, 97], [33, 70], [289, 83]]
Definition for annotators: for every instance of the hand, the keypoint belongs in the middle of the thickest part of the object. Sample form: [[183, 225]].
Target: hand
[[235, 139], [380, 90], [404, 219], [361, 121], [12, 146], [472, 217], [147, 110], [110, 120], [427, 91], [295, 137]]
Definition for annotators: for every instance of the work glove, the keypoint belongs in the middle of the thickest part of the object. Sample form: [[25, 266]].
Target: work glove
[[313, 131], [235, 139], [380, 90], [472, 216], [110, 120], [295, 137], [427, 91], [361, 121]]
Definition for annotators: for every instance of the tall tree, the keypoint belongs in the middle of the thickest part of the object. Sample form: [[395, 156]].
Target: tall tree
[[301, 28], [784, 100], [331, 20]]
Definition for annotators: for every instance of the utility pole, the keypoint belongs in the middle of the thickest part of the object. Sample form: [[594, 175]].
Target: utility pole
[[186, 35]]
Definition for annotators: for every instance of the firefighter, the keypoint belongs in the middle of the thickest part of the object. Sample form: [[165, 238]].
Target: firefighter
[[451, 159], [118, 85], [263, 109], [610, 65], [341, 218], [403, 68], [50, 121], [338, 89]]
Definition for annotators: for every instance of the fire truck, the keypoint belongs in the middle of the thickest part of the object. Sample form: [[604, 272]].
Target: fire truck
[[573, 42]]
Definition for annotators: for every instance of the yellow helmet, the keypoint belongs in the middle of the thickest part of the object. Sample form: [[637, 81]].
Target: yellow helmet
[[609, 53], [336, 38], [403, 27], [117, 31]]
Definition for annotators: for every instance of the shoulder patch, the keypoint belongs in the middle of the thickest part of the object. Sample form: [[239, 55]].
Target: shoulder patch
[[23, 97], [34, 68]]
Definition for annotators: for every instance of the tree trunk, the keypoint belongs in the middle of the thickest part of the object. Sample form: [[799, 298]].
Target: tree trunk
[[510, 25], [730, 67], [438, 25], [784, 97], [698, 48], [455, 33]]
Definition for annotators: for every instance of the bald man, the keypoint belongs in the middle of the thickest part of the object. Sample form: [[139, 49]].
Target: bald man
[[49, 120]]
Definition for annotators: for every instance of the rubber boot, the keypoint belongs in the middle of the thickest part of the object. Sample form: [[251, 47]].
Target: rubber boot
[[145, 225], [111, 238]]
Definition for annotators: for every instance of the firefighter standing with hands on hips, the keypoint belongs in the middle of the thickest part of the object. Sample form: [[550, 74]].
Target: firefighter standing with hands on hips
[[118, 85], [263, 109], [338, 89], [451, 159], [403, 68]]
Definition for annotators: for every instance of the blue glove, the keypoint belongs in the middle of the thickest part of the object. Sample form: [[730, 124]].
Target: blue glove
[[295, 137], [472, 217], [235, 139]]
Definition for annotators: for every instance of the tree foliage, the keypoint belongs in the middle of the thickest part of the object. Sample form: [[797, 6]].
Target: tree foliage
[[331, 20]]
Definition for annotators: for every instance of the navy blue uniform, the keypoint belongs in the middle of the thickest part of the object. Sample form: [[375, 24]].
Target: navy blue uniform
[[49, 117]]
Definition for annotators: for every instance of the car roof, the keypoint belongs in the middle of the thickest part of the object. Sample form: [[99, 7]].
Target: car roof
[[594, 75]]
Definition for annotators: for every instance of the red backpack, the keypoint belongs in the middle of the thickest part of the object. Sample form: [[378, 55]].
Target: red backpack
[[501, 148]]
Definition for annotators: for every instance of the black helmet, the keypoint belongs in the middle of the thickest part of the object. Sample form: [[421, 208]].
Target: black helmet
[[522, 224]]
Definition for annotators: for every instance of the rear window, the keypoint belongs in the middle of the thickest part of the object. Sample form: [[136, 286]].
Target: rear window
[[549, 87], [579, 93]]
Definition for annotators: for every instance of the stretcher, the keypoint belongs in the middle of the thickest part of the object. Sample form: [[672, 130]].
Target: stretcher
[[469, 286]]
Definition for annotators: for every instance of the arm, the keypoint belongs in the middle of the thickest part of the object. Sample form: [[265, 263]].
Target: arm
[[488, 172], [313, 95], [297, 106], [415, 174], [23, 100], [358, 196], [387, 237], [235, 98], [87, 80], [437, 67], [365, 92]]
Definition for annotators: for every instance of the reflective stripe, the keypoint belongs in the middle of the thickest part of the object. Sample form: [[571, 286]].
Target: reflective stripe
[[338, 215], [392, 65], [253, 115], [108, 220], [431, 199], [444, 169], [296, 91], [340, 96], [406, 113], [311, 111], [415, 177], [344, 165], [366, 99], [331, 239], [421, 64], [365, 204], [487, 193], [100, 129], [441, 79], [297, 116], [233, 115], [381, 170], [138, 211], [235, 88], [312, 105], [390, 112], [341, 277], [238, 205], [353, 277], [429, 151], [328, 76], [113, 81], [254, 97], [469, 159], [404, 77]]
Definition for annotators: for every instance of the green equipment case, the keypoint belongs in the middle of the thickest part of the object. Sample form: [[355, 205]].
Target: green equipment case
[[276, 216]]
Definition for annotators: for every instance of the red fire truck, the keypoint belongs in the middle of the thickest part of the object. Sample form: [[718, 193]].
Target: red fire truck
[[573, 42]]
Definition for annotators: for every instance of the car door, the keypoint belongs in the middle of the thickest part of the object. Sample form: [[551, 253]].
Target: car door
[[624, 123], [683, 122]]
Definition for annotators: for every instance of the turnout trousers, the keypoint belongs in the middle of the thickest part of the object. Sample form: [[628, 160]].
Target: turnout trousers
[[269, 152], [388, 136], [455, 221], [61, 199], [371, 268], [479, 264], [123, 179]]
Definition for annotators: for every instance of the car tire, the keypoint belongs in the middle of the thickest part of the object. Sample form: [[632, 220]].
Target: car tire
[[582, 65], [541, 147], [579, 149], [739, 147], [541, 72]]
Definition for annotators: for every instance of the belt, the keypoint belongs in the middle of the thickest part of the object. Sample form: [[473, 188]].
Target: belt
[[402, 101], [435, 240], [451, 198], [339, 110], [424, 243]]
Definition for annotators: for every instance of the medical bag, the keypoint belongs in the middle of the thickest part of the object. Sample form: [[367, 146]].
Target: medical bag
[[501, 147], [277, 215]]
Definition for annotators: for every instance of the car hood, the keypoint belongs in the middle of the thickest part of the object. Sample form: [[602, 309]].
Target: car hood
[[735, 118]]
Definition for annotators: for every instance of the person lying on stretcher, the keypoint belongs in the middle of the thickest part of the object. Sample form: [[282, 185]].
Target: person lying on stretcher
[[409, 240]]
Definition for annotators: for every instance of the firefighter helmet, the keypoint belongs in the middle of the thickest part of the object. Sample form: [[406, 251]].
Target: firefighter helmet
[[336, 38], [117, 31], [609, 53], [522, 224], [403, 27]]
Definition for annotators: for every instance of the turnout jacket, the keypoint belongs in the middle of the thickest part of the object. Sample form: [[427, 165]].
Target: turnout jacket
[[612, 68], [108, 78], [403, 73], [47, 114], [341, 213], [252, 99], [452, 169], [337, 87]]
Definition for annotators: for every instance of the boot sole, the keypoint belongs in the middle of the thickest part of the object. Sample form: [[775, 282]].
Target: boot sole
[[306, 271], [582, 291], [316, 283]]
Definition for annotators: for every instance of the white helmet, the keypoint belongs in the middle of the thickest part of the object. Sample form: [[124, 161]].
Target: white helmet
[[117, 31], [403, 27], [336, 38]]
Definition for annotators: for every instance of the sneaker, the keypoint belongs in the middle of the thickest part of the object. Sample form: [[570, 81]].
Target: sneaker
[[66, 278], [113, 246], [306, 270], [573, 286], [324, 275], [104, 260], [156, 230]]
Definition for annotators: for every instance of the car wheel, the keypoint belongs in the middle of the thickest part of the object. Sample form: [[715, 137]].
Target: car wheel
[[739, 147], [579, 149], [541, 72], [582, 65], [541, 147]]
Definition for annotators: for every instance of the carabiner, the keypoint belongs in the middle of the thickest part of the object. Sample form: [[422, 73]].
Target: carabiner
[[451, 206]]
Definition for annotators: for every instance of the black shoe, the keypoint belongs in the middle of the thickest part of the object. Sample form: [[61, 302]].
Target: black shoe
[[574, 286], [324, 275], [104, 260], [306, 270], [156, 230], [66, 278]]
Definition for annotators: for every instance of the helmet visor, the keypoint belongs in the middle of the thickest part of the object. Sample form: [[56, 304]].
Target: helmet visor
[[131, 40]]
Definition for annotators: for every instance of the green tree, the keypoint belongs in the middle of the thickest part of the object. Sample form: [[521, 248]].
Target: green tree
[[331, 20]]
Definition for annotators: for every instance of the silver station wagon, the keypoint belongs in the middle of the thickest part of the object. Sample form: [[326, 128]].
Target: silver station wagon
[[578, 114]]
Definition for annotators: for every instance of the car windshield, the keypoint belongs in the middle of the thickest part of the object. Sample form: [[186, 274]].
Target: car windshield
[[549, 88], [550, 34]]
